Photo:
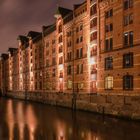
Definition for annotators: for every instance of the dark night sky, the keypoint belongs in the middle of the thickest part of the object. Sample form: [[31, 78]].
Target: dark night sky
[[17, 17]]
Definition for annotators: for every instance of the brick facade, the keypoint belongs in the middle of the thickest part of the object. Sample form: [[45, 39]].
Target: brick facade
[[93, 48]]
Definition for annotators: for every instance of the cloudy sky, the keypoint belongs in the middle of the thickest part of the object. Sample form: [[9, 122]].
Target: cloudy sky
[[17, 17]]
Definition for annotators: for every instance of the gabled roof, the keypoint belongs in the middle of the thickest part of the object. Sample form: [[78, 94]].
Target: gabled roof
[[63, 11], [4, 56], [78, 5], [33, 34], [22, 38], [49, 29], [12, 50]]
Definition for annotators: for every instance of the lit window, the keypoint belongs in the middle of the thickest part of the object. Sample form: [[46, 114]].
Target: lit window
[[109, 82], [69, 84]]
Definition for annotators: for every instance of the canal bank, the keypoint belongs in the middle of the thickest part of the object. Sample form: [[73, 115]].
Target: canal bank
[[116, 105]]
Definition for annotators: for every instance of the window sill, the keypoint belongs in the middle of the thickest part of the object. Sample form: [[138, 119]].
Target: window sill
[[109, 89]]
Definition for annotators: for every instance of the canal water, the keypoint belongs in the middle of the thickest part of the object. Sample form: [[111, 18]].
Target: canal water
[[21, 120]]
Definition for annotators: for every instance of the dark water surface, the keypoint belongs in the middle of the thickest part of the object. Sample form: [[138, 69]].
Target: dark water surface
[[21, 120]]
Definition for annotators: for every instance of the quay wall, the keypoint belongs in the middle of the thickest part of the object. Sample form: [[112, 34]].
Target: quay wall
[[116, 105]]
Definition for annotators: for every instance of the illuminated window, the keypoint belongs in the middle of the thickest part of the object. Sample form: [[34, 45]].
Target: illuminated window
[[109, 82], [128, 82], [80, 86], [69, 84]]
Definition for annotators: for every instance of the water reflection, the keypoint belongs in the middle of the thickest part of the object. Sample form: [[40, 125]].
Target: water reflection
[[31, 121]]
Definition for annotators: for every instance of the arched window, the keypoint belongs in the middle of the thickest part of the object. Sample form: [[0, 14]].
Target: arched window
[[109, 82], [60, 28]]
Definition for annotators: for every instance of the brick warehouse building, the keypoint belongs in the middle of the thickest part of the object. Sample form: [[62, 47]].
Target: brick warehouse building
[[93, 48]]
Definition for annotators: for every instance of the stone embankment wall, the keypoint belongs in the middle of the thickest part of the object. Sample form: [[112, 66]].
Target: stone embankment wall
[[117, 105]]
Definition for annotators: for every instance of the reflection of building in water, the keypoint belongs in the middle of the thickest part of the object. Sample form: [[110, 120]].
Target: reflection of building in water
[[10, 119], [60, 130], [31, 122], [22, 125], [20, 120]]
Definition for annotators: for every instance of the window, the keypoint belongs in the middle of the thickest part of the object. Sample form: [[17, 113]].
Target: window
[[79, 53], [47, 52], [81, 38], [128, 39], [108, 63], [53, 41], [69, 70], [69, 56], [60, 39], [61, 60], [109, 13], [80, 69], [61, 74], [77, 40], [93, 69], [128, 4], [53, 50], [109, 82], [53, 73], [69, 84], [93, 23], [60, 49], [128, 60], [128, 82], [93, 51], [93, 36], [60, 28], [109, 27], [81, 27], [53, 61], [69, 44], [47, 63], [47, 45], [93, 10], [128, 19], [109, 44], [69, 34]]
